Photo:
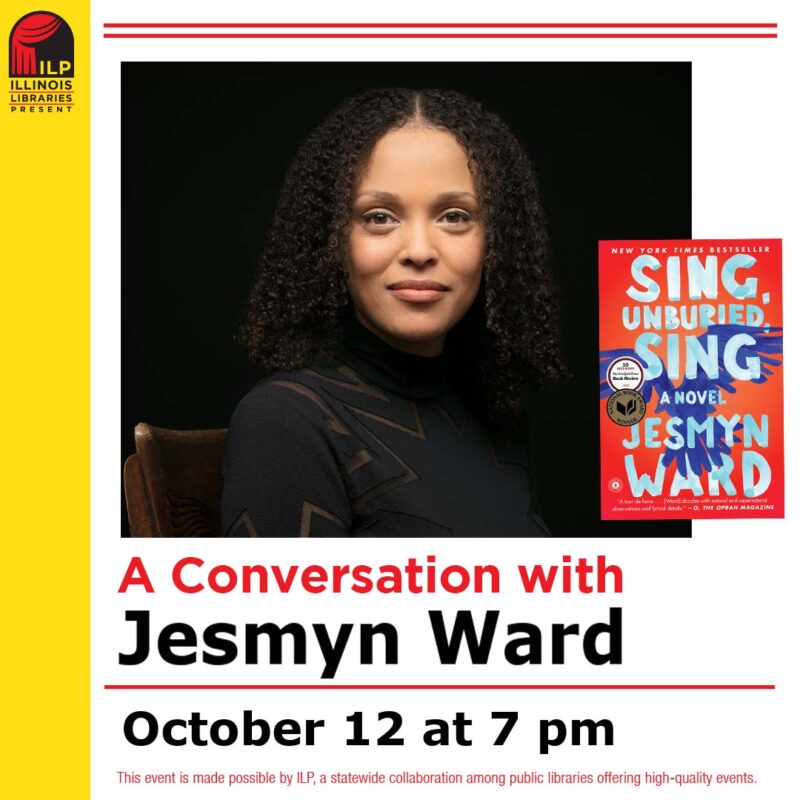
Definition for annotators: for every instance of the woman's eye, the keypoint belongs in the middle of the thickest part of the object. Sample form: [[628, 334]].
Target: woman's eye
[[456, 217], [378, 218]]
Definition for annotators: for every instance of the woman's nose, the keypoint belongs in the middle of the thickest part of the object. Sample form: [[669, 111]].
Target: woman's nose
[[419, 248]]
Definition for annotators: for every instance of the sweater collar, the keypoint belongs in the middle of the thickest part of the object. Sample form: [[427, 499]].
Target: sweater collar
[[414, 377]]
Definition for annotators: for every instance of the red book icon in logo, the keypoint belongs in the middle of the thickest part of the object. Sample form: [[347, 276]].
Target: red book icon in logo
[[41, 44]]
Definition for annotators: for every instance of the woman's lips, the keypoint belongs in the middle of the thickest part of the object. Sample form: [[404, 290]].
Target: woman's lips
[[418, 291]]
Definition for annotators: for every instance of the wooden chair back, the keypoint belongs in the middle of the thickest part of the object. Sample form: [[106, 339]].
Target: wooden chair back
[[173, 482]]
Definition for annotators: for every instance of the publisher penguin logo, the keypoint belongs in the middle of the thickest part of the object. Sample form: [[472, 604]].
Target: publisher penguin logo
[[626, 407], [41, 64]]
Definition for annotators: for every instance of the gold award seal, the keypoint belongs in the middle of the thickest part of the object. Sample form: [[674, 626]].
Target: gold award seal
[[626, 407]]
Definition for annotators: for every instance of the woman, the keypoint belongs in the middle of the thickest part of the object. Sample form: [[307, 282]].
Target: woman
[[402, 301]]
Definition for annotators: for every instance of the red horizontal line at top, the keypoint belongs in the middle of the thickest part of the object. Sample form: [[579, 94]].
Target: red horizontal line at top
[[459, 687], [440, 24], [440, 35]]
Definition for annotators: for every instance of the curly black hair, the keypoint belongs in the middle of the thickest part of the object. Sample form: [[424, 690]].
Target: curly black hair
[[299, 299]]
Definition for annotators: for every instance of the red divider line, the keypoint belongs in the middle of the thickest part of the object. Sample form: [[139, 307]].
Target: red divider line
[[463, 687], [440, 35], [440, 24]]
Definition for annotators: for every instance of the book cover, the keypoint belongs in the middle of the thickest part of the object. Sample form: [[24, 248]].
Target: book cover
[[691, 379]]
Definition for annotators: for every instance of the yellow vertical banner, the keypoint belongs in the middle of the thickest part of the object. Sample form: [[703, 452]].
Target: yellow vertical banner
[[45, 398]]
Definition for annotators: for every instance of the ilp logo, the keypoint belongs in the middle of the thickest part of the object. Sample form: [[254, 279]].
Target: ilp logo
[[41, 65], [41, 45]]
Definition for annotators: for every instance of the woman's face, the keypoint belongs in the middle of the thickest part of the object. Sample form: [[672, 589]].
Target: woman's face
[[416, 239]]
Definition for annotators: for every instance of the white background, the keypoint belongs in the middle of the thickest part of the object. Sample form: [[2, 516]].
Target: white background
[[717, 609]]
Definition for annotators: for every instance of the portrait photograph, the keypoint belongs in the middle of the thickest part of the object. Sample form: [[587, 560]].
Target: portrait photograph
[[361, 299]]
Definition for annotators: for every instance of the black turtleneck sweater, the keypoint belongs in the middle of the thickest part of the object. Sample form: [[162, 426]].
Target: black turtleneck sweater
[[377, 445]]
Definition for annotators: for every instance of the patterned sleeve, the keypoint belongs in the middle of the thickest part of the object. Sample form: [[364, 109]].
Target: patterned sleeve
[[281, 475]]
